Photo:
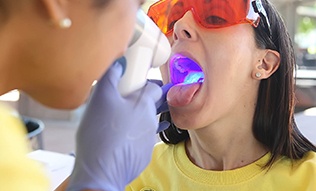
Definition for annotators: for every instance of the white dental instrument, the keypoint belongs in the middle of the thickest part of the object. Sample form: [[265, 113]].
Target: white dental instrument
[[149, 48]]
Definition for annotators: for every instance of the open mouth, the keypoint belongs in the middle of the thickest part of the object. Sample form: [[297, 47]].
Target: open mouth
[[184, 70]]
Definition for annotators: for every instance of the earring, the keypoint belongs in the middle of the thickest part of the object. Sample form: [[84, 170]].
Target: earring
[[258, 74], [65, 23]]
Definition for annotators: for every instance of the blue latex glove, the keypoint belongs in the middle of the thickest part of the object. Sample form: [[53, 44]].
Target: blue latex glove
[[116, 136], [162, 104]]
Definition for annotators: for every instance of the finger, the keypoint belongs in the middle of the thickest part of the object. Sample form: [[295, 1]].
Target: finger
[[162, 104], [112, 76], [162, 107], [166, 88], [158, 82], [163, 126], [153, 90], [105, 91]]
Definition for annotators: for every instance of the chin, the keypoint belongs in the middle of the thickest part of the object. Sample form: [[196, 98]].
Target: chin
[[63, 102], [66, 104], [185, 122]]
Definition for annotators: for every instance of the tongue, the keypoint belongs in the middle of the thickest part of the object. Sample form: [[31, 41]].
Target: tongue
[[182, 94]]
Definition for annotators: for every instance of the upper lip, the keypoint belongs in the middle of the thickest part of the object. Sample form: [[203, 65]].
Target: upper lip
[[182, 55], [188, 55]]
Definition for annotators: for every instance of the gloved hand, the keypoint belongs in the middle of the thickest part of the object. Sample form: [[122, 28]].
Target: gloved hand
[[162, 104], [116, 136]]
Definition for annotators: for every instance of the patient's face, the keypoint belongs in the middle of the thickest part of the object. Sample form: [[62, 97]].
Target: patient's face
[[226, 57]]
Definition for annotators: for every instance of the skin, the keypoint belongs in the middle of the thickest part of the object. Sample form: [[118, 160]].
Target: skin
[[219, 119], [223, 140], [57, 66]]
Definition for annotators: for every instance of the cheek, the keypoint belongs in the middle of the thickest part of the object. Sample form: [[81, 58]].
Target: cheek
[[164, 69], [120, 25], [165, 73], [121, 36], [170, 39]]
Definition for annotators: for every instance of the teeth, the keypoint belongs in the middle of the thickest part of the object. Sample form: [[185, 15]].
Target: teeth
[[194, 77], [185, 70]]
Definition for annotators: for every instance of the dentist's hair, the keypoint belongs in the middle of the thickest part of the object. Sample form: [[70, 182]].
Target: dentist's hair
[[7, 5], [273, 125]]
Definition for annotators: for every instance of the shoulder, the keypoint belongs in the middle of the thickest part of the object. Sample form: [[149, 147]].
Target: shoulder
[[304, 171], [158, 168], [14, 163], [11, 126], [164, 157], [161, 148], [8, 114], [166, 151], [310, 157], [162, 151], [308, 162], [300, 172]]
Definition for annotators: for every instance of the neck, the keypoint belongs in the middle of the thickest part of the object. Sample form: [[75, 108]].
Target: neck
[[6, 77], [12, 57], [223, 147]]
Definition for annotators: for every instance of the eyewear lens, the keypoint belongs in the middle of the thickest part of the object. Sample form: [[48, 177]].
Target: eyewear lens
[[208, 13]]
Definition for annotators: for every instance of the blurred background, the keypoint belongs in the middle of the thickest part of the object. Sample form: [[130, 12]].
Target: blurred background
[[58, 127]]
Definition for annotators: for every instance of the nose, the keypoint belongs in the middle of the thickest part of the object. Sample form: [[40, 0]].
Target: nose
[[185, 28]]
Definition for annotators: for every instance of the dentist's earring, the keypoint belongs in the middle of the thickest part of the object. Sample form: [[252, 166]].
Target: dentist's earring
[[65, 23], [258, 74]]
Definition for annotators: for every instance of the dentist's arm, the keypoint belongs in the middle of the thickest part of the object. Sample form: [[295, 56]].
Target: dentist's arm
[[116, 135]]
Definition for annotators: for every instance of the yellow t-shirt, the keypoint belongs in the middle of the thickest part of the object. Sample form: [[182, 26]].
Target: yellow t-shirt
[[171, 170], [17, 171]]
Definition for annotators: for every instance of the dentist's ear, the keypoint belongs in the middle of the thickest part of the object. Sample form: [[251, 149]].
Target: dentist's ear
[[267, 65], [57, 12]]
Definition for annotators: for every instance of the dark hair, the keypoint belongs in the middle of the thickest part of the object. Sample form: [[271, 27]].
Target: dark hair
[[273, 125], [5, 6], [101, 3], [4, 12]]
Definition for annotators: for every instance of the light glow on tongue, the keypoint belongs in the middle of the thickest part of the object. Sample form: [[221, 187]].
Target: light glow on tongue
[[184, 70]]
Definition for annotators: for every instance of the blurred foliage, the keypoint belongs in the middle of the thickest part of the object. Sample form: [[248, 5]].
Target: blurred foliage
[[307, 23]]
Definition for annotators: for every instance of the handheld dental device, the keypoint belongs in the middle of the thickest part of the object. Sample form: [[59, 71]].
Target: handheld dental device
[[149, 48]]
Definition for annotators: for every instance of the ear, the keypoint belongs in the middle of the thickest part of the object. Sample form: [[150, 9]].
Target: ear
[[57, 10], [269, 63]]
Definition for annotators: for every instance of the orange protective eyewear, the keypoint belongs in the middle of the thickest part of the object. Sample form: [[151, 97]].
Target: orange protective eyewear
[[210, 14]]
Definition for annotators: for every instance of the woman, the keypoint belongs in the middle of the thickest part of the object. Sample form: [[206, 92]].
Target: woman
[[233, 129], [53, 50]]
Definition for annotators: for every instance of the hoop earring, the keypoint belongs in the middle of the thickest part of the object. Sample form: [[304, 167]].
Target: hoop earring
[[65, 23], [258, 74]]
